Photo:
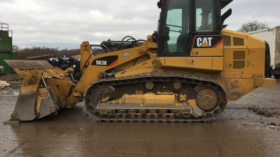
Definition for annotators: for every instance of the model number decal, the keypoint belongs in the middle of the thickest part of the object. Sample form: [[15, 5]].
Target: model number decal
[[106, 61], [101, 62]]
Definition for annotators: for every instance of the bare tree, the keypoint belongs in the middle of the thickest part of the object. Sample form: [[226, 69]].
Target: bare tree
[[252, 26]]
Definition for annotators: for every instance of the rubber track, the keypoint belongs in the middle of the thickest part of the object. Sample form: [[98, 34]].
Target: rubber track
[[162, 77]]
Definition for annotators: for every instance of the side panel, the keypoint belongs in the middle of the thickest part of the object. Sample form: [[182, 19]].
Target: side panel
[[244, 56], [269, 35], [201, 63]]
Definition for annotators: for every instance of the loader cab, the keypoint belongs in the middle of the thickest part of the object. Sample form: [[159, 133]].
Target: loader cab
[[182, 20]]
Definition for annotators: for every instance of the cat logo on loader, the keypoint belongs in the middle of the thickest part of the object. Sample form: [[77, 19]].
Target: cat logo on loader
[[204, 42]]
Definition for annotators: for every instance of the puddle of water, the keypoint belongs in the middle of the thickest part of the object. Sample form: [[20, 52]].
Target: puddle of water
[[72, 130], [16, 93]]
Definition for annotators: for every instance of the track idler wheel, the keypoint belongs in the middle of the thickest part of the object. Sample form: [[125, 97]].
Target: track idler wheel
[[96, 96], [207, 99]]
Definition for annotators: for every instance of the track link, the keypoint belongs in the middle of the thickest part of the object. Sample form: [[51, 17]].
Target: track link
[[161, 78]]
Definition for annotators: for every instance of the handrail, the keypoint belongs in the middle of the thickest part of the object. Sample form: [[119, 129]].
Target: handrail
[[4, 26]]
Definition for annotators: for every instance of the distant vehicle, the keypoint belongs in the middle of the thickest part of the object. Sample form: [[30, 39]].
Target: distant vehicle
[[272, 36]]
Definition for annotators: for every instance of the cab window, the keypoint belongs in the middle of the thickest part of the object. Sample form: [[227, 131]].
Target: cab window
[[204, 15], [174, 22], [176, 28]]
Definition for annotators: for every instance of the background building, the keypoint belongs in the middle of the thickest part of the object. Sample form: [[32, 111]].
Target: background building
[[7, 51]]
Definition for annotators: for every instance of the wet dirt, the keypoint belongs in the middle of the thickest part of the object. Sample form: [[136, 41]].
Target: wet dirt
[[238, 132], [14, 83], [265, 112], [13, 79]]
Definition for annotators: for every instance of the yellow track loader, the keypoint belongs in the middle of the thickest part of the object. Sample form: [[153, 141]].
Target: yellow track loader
[[186, 71]]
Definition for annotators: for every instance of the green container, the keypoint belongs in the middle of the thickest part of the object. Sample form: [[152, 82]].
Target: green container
[[7, 56], [6, 51], [5, 42]]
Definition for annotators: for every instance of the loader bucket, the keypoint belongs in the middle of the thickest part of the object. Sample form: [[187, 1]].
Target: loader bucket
[[27, 65], [36, 100]]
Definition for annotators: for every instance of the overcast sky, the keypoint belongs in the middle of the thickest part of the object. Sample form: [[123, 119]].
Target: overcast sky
[[66, 23]]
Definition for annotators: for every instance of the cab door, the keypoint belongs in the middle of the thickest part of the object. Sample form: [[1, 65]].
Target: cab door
[[175, 28]]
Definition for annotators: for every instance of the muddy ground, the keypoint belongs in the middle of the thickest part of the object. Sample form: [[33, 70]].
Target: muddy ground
[[239, 132], [13, 79]]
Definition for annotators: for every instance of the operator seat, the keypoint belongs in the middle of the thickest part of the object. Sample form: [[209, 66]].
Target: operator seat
[[181, 42]]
